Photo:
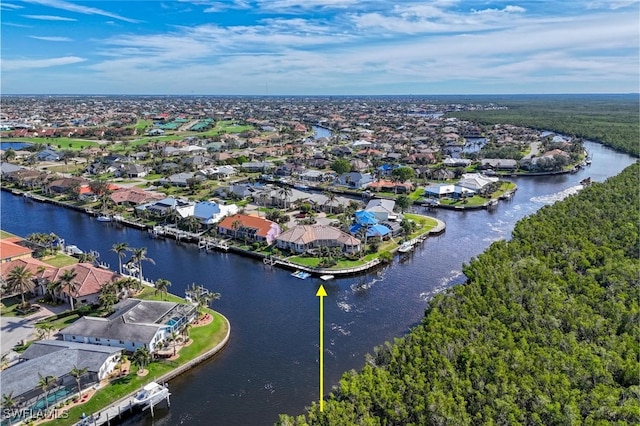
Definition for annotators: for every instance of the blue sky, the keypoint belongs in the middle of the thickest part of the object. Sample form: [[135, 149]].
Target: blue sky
[[319, 47]]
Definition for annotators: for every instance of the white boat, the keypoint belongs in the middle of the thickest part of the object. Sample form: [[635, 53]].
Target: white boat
[[104, 218], [301, 274], [151, 394], [326, 277], [405, 247]]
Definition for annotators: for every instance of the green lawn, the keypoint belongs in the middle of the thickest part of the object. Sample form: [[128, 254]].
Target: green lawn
[[204, 338], [149, 293], [8, 306], [62, 143], [59, 260]]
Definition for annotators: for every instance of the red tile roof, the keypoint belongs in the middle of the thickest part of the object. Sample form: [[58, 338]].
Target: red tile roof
[[253, 222]]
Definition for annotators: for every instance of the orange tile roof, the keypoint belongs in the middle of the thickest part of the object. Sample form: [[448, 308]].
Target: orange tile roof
[[89, 279], [9, 249], [254, 222]]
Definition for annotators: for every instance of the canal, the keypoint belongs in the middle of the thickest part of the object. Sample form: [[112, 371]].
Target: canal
[[271, 363]]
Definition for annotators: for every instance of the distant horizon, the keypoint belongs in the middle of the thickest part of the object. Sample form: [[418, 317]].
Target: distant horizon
[[319, 47], [322, 96]]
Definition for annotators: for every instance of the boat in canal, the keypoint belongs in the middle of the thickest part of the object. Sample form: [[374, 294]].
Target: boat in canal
[[301, 274], [151, 394], [104, 218], [405, 247]]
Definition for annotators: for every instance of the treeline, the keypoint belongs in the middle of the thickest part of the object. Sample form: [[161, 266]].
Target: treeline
[[611, 120], [544, 332]]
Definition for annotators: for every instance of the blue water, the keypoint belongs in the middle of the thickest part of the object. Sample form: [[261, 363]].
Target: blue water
[[14, 145], [271, 363]]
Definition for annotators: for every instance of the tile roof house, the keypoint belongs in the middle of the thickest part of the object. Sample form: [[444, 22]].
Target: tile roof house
[[253, 228], [87, 284], [133, 196], [301, 238], [11, 250]]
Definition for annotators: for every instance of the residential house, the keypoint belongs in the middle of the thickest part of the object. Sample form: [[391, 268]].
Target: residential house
[[252, 228], [447, 190], [64, 185], [133, 196], [257, 166], [180, 179], [382, 209], [208, 212], [302, 238], [86, 286], [48, 154], [55, 358], [475, 181], [499, 163], [355, 180], [131, 170], [135, 323]]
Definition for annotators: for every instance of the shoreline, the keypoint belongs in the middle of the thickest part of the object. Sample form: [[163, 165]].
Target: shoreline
[[266, 259], [123, 405]]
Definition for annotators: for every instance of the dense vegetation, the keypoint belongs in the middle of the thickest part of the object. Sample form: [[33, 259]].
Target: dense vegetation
[[544, 332], [610, 119]]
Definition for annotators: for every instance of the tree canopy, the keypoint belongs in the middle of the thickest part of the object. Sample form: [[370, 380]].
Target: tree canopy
[[544, 331]]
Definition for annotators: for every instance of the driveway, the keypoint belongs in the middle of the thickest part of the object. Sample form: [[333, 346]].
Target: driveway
[[14, 330]]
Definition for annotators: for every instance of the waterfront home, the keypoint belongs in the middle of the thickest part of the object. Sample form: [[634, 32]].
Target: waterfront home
[[10, 249], [135, 323], [447, 190], [301, 238], [56, 359], [251, 228], [86, 285], [208, 213], [382, 209], [64, 185], [164, 207], [367, 222], [499, 163], [475, 181], [133, 196], [390, 186]]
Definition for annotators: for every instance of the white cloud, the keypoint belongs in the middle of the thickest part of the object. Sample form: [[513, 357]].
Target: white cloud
[[51, 38], [77, 8], [10, 6], [49, 18], [23, 64]]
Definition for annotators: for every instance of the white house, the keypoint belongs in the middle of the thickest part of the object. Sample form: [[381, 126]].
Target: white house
[[134, 324]]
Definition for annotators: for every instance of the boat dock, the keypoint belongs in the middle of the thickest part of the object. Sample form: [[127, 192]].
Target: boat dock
[[122, 408]]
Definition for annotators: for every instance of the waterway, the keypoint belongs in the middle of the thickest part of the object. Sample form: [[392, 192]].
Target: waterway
[[271, 363]]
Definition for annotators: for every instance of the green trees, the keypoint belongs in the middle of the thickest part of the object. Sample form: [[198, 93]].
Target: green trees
[[120, 249], [139, 256], [77, 374], [162, 287], [544, 331], [66, 280], [341, 166], [20, 280], [141, 358]]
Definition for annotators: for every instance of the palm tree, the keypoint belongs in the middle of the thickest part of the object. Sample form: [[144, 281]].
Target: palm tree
[[77, 373], [8, 402], [236, 225], [54, 288], [174, 341], [67, 281], [120, 249], [20, 279], [45, 382], [331, 198], [108, 296], [45, 328], [139, 255], [141, 357], [285, 192], [192, 223], [162, 286]]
